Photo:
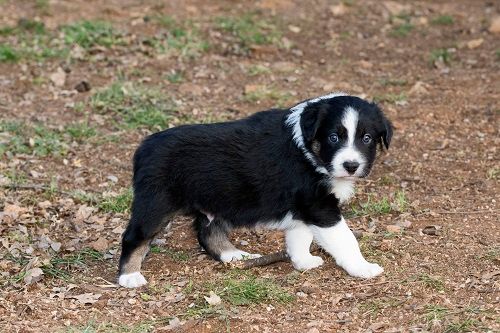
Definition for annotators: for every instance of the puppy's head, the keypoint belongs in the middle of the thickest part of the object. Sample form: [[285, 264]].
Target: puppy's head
[[342, 133]]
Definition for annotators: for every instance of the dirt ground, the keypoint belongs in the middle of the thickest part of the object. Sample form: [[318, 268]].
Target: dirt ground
[[82, 82]]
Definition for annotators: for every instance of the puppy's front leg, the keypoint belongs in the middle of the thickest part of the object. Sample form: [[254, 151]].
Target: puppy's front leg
[[339, 241], [298, 243]]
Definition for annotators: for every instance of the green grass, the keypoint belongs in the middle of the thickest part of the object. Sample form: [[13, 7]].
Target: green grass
[[432, 282], [91, 33], [182, 38], [117, 204], [255, 70], [28, 25], [443, 20], [440, 55], [466, 325], [110, 327], [179, 256], [265, 93], [237, 288], [385, 205], [175, 77], [8, 54], [402, 30], [390, 98], [134, 106], [249, 30], [59, 266], [435, 312], [35, 140], [81, 131]]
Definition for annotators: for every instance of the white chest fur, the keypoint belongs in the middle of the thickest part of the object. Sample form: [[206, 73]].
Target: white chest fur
[[343, 189]]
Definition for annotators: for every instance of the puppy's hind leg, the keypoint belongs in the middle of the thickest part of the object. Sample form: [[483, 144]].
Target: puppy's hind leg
[[212, 236], [150, 213]]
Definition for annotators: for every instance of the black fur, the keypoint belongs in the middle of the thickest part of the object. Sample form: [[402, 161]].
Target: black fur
[[243, 172]]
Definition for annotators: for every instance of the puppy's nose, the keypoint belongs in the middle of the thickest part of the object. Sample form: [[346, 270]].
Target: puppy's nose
[[351, 167]]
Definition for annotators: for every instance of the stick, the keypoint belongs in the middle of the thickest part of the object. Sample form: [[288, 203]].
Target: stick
[[275, 257]]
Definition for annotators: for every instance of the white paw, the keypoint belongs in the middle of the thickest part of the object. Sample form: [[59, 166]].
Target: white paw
[[237, 255], [132, 280], [364, 270], [308, 262]]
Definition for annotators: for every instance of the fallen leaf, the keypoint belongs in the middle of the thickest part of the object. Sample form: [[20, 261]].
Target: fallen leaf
[[338, 10], [393, 228], [87, 298], [213, 299], [294, 28], [101, 244], [475, 43], [83, 213], [58, 77], [495, 25], [33, 275]]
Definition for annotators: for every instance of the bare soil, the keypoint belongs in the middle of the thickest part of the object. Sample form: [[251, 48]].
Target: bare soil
[[435, 77]]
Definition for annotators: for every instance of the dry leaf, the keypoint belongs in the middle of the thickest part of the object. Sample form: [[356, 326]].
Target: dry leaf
[[58, 77], [33, 275], [213, 299], [87, 298], [475, 43], [100, 244]]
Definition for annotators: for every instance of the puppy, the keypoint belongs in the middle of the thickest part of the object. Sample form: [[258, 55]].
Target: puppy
[[282, 169]]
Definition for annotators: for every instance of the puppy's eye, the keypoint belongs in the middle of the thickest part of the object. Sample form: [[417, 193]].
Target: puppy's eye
[[367, 139], [334, 138]]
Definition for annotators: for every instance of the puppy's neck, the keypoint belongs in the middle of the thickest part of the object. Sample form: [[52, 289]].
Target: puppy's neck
[[343, 189]]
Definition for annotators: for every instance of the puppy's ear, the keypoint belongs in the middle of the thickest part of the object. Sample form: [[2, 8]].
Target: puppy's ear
[[310, 121], [387, 132]]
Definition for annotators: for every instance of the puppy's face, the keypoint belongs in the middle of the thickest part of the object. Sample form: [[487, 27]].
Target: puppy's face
[[343, 133]]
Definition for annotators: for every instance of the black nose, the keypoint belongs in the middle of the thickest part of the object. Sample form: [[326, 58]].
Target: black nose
[[351, 167]]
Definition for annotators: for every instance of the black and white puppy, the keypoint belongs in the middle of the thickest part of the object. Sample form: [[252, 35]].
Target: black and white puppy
[[283, 169]]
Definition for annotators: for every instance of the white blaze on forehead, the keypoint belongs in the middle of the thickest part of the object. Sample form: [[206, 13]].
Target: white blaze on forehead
[[350, 122], [293, 120], [349, 152]]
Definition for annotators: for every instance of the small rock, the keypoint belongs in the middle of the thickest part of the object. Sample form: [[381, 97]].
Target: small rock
[[58, 77], [294, 29], [112, 178], [101, 244], [339, 9], [475, 43], [495, 25], [404, 224], [83, 86], [244, 242], [393, 228], [432, 230]]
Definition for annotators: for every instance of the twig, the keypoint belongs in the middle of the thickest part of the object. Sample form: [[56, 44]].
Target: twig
[[275, 257]]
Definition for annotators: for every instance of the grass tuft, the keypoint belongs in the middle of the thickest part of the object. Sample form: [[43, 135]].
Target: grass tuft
[[249, 30], [443, 20], [91, 33], [133, 105], [398, 203], [8, 54], [442, 55], [117, 204]]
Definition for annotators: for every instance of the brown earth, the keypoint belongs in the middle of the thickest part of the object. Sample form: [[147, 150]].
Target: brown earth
[[433, 67]]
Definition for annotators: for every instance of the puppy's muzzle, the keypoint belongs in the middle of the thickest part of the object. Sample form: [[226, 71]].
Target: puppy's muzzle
[[351, 166]]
